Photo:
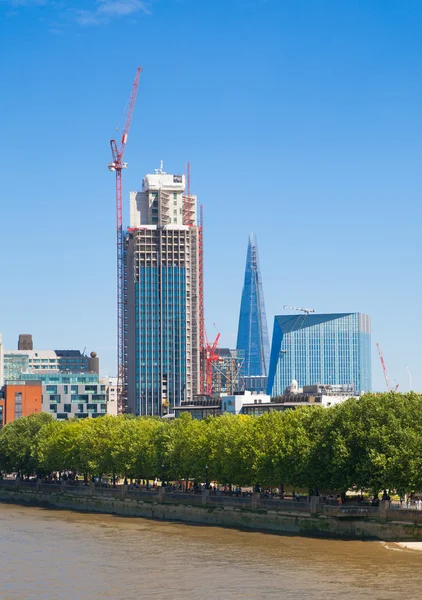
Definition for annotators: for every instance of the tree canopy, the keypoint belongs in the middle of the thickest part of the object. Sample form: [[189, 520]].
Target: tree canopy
[[370, 443]]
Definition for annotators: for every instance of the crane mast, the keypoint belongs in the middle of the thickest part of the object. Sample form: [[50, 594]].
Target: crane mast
[[118, 165]]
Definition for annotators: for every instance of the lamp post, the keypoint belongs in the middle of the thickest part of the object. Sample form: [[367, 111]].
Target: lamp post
[[207, 485], [163, 466]]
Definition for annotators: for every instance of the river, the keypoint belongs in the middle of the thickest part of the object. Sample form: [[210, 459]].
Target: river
[[70, 556]]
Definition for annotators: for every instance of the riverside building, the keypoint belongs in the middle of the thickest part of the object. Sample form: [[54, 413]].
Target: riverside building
[[163, 291], [329, 349]]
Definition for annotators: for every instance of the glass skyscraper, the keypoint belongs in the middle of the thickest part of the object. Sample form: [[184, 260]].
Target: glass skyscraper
[[331, 349], [162, 297], [252, 335]]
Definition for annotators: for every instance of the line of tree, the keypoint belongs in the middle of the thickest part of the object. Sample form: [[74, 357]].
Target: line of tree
[[368, 443]]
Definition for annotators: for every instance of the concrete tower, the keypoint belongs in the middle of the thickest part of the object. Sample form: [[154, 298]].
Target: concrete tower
[[162, 285]]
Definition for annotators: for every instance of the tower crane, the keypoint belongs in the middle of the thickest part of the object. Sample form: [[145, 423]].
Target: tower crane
[[118, 165], [304, 310], [384, 368], [211, 356]]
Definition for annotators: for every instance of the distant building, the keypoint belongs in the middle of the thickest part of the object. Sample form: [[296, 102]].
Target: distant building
[[14, 363], [25, 342], [256, 383], [250, 403], [68, 395], [112, 395], [163, 287], [63, 395], [1, 362], [20, 399], [72, 361], [227, 372], [334, 349], [252, 336]]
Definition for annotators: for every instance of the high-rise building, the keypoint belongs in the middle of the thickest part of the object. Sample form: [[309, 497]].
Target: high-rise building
[[163, 290], [331, 349], [252, 335]]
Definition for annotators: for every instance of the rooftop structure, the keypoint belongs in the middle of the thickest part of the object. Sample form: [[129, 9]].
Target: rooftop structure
[[252, 336], [25, 342]]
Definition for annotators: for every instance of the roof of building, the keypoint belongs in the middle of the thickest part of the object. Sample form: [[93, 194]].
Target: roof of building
[[289, 323]]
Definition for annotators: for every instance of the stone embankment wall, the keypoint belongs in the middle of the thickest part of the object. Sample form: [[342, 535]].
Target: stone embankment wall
[[299, 518]]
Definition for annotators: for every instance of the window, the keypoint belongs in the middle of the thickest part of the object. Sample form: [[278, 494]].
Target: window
[[18, 405], [67, 408], [62, 416], [91, 407], [53, 408], [80, 408], [174, 196], [103, 407], [74, 389], [51, 389]]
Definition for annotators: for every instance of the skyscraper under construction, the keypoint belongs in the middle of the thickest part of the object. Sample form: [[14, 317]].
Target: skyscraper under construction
[[163, 296], [252, 335]]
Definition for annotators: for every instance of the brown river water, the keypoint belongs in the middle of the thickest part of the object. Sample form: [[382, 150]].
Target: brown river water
[[63, 555]]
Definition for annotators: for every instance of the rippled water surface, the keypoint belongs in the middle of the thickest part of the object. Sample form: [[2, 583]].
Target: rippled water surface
[[58, 554]]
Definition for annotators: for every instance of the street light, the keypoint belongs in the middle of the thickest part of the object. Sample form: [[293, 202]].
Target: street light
[[163, 466], [207, 485]]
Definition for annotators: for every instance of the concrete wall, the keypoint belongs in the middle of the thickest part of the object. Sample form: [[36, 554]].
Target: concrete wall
[[198, 510]]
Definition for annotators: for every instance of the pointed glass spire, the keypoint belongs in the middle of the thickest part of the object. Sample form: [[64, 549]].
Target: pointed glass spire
[[252, 335]]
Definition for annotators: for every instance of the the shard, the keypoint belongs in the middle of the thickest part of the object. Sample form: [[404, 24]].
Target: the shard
[[252, 335]]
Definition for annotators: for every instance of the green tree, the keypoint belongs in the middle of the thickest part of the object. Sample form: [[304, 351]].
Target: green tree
[[18, 444]]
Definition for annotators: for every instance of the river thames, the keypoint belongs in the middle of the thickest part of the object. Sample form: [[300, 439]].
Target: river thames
[[63, 555]]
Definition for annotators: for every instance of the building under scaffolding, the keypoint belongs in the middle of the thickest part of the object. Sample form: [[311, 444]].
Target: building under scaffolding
[[227, 376]]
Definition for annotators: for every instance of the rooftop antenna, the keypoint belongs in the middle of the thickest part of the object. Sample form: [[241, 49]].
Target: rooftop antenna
[[160, 170]]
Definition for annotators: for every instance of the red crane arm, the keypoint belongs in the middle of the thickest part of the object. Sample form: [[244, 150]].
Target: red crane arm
[[384, 368], [129, 114], [215, 344]]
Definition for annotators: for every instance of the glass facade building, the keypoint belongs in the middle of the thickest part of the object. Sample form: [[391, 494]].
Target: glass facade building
[[330, 349], [252, 335]]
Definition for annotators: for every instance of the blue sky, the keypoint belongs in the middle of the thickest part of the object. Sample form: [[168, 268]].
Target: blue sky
[[302, 123]]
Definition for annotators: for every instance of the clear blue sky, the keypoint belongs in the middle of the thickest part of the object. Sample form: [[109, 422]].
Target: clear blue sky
[[302, 123]]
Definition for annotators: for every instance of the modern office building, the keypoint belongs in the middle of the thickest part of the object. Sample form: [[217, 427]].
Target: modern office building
[[163, 296], [330, 349], [252, 336], [63, 395]]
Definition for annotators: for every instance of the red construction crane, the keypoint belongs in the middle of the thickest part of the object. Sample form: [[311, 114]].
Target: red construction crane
[[118, 165], [384, 368], [210, 356]]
